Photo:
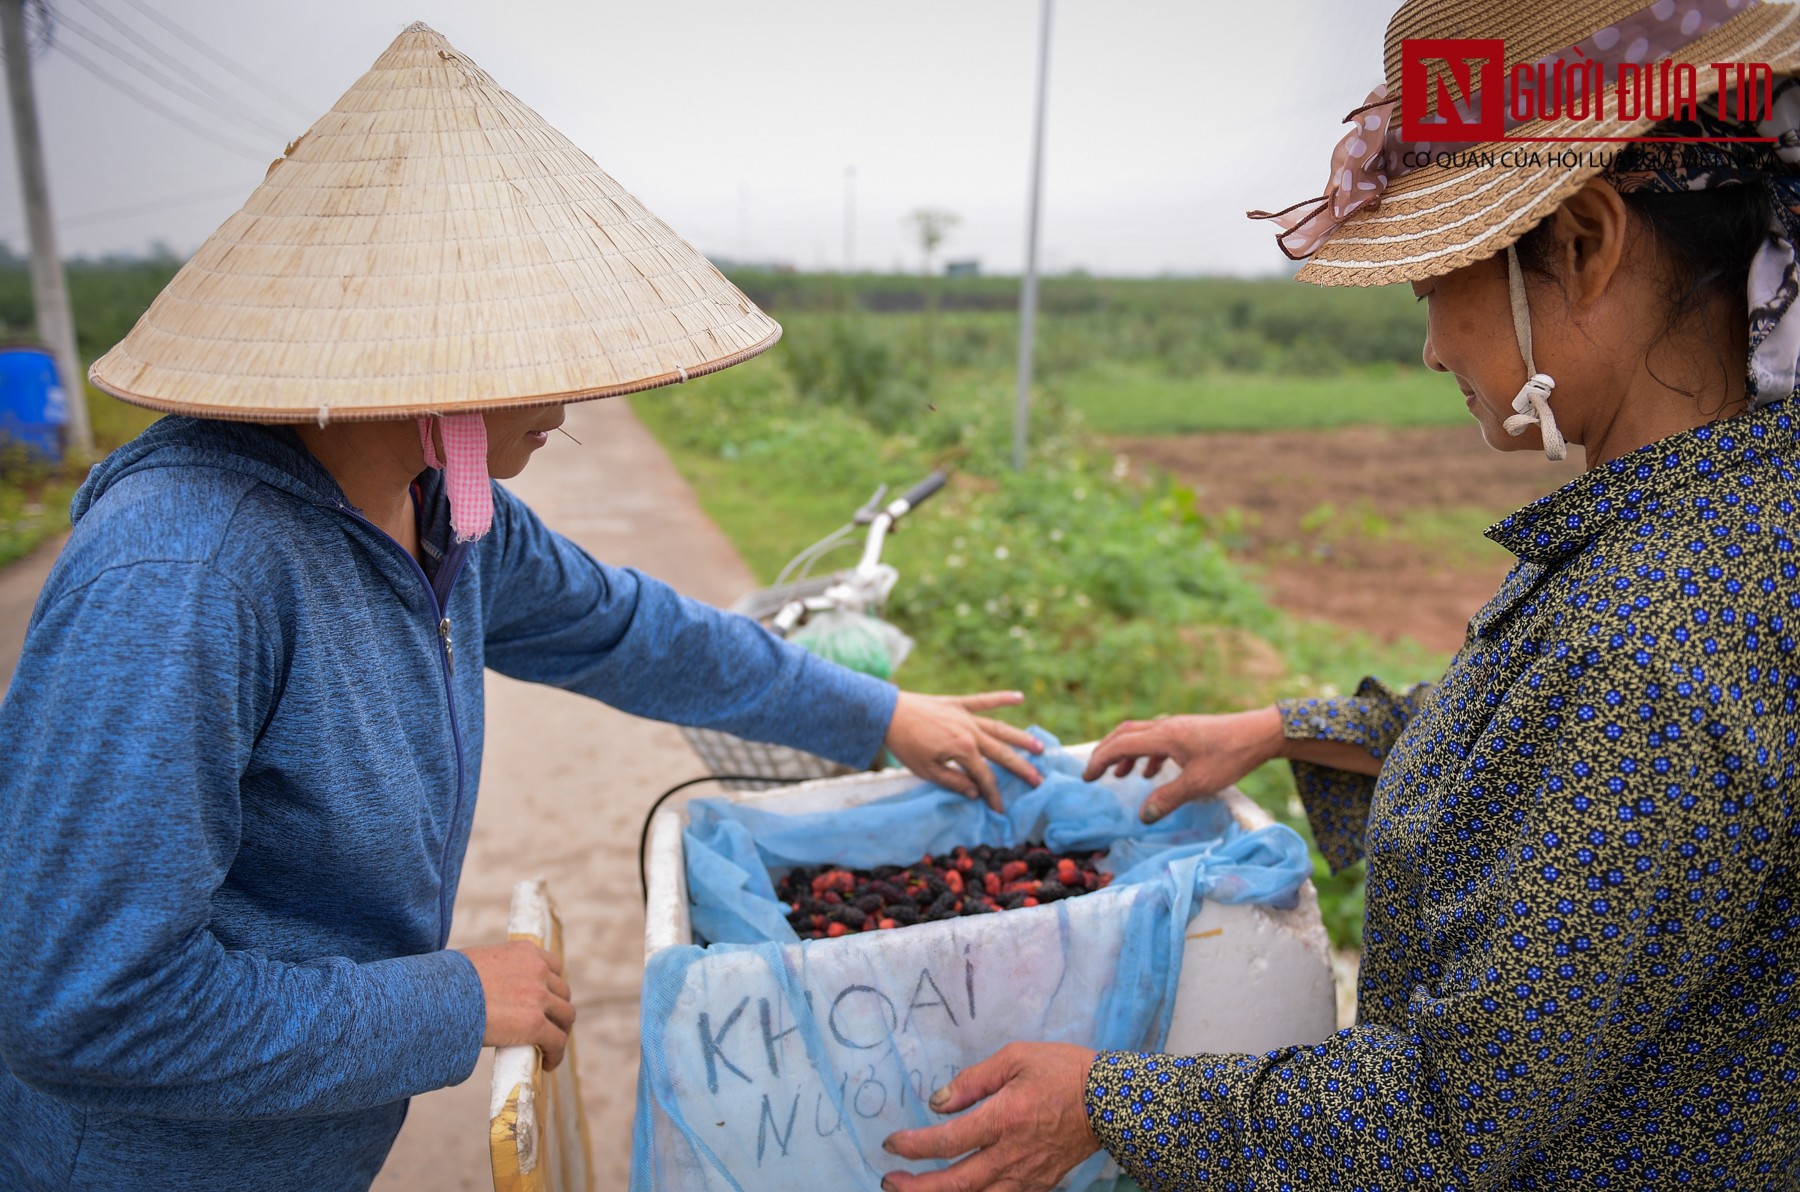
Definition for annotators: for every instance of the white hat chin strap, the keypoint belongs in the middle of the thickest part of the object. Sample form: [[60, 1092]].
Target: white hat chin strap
[[1532, 404]]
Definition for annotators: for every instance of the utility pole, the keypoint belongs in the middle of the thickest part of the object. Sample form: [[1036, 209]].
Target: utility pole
[[49, 292], [1028, 291], [849, 219]]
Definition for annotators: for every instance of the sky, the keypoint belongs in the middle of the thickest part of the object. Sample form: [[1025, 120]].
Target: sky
[[792, 131]]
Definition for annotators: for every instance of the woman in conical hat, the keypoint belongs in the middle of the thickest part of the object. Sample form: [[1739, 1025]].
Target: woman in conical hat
[[1583, 891], [241, 746]]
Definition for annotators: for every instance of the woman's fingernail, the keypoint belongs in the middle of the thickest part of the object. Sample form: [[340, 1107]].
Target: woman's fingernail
[[887, 1144], [940, 1098], [887, 1185]]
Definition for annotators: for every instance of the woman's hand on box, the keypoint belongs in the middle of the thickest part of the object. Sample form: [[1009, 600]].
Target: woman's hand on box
[[941, 739], [1029, 1129], [1212, 751]]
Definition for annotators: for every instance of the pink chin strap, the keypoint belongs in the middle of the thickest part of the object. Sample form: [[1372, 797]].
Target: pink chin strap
[[465, 472]]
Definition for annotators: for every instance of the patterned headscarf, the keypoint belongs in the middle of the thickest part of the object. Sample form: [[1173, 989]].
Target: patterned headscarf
[[1774, 362]]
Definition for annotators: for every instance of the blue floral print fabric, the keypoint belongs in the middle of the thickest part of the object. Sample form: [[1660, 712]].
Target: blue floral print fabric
[[1582, 961]]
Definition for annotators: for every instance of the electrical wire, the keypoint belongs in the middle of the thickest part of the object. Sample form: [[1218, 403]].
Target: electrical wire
[[41, 32], [166, 203], [200, 93], [304, 112], [186, 79], [99, 72], [650, 816]]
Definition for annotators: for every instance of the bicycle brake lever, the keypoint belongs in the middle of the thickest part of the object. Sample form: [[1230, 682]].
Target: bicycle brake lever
[[866, 515]]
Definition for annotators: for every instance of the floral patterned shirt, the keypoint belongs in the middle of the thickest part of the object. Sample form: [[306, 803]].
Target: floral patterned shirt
[[1582, 961]]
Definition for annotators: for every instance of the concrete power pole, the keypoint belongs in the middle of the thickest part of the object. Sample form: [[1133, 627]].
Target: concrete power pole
[[1028, 288], [49, 292]]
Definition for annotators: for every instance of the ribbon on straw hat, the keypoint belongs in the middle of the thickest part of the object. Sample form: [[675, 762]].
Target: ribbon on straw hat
[[1397, 210], [1374, 153], [1474, 222]]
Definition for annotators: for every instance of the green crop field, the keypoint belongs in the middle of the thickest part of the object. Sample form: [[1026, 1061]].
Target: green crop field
[[1128, 399]]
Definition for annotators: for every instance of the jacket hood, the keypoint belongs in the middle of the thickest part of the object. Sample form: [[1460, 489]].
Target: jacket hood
[[271, 454]]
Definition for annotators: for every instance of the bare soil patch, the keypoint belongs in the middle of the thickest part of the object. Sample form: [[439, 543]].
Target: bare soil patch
[[1372, 528]]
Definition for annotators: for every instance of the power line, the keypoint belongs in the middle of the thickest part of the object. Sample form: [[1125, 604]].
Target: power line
[[304, 112], [219, 103], [39, 33], [260, 155], [233, 102], [166, 203]]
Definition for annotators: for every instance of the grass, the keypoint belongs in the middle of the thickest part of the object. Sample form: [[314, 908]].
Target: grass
[[1454, 534], [34, 499], [1132, 399]]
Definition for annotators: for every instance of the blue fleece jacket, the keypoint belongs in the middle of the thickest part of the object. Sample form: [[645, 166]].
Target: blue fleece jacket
[[237, 775]]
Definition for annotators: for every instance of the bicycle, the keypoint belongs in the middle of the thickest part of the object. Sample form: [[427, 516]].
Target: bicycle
[[784, 608], [790, 604]]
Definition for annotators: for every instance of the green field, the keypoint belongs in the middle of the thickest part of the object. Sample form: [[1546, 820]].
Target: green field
[[1128, 399]]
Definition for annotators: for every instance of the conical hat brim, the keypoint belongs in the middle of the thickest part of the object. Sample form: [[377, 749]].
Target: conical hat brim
[[431, 245]]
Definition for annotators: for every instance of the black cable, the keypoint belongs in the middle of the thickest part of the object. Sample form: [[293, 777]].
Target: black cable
[[199, 92], [644, 836], [38, 39], [304, 112], [257, 155], [167, 203]]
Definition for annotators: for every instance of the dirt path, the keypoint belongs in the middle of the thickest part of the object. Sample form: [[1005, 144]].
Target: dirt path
[[1371, 528], [564, 787], [19, 586]]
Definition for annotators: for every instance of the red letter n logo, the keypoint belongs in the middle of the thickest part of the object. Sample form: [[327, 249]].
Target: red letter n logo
[[1451, 89]]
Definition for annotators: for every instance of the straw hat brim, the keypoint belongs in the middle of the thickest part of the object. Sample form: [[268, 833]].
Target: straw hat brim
[[327, 413], [430, 246], [1440, 218]]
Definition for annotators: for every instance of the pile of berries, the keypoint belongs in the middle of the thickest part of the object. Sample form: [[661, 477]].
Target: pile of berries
[[829, 900]]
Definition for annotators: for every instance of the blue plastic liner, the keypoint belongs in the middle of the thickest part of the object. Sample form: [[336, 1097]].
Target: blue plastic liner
[[732, 848]]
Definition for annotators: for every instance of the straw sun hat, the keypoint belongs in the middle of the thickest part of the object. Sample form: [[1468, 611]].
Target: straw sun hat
[[430, 246], [1444, 215]]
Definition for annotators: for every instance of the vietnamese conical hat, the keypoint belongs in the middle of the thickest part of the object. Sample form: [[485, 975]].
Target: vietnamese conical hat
[[430, 245]]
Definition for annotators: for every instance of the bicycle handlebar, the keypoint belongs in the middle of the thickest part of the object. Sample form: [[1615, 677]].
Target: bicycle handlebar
[[868, 581], [920, 492]]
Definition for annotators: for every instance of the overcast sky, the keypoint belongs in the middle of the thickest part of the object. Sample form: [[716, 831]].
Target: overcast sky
[[736, 122]]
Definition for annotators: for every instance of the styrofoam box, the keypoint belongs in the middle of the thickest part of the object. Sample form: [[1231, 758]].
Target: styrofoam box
[[1253, 978]]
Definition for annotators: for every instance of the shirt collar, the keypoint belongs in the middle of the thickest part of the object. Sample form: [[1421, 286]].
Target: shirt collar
[[1622, 491]]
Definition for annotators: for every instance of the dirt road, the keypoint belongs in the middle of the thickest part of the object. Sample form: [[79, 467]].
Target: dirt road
[[564, 787]]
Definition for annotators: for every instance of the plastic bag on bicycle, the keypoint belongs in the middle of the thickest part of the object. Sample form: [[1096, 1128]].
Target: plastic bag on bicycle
[[863, 643]]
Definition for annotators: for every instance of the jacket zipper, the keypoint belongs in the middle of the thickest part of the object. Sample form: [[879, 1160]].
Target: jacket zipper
[[447, 572]]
